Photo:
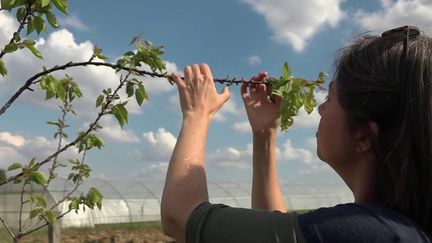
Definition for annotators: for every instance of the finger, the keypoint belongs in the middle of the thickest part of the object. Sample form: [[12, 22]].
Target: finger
[[196, 72], [177, 79], [188, 73], [261, 88], [226, 94], [253, 89], [261, 76], [205, 71], [244, 91]]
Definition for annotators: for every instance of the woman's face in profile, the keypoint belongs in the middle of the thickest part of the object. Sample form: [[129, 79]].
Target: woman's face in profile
[[334, 143]]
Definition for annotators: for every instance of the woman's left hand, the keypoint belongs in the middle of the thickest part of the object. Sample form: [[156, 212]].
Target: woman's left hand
[[198, 95]]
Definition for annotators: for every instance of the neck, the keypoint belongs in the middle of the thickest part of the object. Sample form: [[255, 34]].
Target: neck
[[361, 181]]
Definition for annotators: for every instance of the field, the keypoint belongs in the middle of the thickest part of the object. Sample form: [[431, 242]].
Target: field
[[148, 232]]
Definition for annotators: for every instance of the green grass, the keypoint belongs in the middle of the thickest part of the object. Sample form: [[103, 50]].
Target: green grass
[[152, 225]]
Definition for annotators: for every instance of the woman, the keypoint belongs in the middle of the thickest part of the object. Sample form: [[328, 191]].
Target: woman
[[375, 132]]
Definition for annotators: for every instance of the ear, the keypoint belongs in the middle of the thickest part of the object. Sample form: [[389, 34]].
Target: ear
[[364, 137]]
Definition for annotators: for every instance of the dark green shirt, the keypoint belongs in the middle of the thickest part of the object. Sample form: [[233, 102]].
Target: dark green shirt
[[218, 223], [351, 222]]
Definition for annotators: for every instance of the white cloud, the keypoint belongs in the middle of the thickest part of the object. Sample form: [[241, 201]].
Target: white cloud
[[396, 13], [288, 152], [228, 109], [312, 143], [242, 127], [15, 140], [315, 169], [156, 153], [61, 47], [9, 156], [295, 22], [74, 22], [162, 140], [254, 60], [30, 147], [160, 85], [111, 130], [231, 157], [158, 146]]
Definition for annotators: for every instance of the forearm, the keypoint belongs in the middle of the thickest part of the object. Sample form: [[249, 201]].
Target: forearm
[[185, 185], [266, 193]]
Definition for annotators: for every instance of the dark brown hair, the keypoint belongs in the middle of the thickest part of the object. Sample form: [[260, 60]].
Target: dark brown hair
[[377, 81]]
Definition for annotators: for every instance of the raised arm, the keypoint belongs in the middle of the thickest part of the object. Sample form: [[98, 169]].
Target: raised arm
[[264, 117], [185, 185]]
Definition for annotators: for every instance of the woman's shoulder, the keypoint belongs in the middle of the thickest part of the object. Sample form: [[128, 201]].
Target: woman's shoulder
[[359, 223]]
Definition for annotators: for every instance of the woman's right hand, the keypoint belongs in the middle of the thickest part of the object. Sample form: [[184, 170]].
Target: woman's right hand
[[263, 114]]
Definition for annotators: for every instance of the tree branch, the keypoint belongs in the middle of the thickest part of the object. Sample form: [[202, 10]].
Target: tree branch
[[74, 142], [43, 225], [7, 228], [34, 79], [23, 22]]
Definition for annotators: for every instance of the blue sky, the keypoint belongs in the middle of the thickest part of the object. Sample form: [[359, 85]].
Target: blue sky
[[237, 38]]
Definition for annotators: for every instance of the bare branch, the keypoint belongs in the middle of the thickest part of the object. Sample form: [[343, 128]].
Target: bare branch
[[8, 228], [21, 207]]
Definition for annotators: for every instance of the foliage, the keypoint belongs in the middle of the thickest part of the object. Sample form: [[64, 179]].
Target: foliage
[[295, 92], [35, 17]]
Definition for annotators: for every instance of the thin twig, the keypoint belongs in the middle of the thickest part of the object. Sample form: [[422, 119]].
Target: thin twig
[[21, 26], [21, 207], [45, 224], [8, 228], [74, 142], [122, 82]]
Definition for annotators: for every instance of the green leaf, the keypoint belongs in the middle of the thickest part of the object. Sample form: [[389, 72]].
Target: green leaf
[[14, 166], [52, 20], [41, 201], [99, 100], [45, 3], [38, 177], [20, 14], [35, 212], [120, 113], [74, 205], [98, 142], [39, 24], [34, 50], [286, 71], [6, 4], [51, 217], [141, 94], [2, 175], [102, 57], [30, 25], [61, 5], [129, 89], [3, 70], [11, 47], [322, 76], [94, 198], [61, 92], [28, 42]]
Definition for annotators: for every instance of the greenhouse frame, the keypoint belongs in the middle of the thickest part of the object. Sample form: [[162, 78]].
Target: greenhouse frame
[[134, 200]]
